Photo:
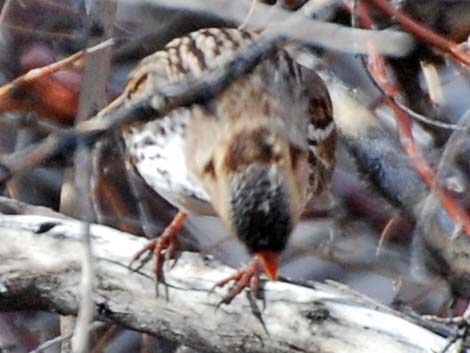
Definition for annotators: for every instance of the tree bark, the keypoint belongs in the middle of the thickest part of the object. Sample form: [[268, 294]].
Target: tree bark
[[40, 269]]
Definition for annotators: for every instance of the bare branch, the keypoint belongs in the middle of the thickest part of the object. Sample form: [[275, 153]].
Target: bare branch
[[421, 32], [59, 339], [92, 99], [440, 245], [11, 206], [42, 270], [300, 27], [157, 105], [375, 152]]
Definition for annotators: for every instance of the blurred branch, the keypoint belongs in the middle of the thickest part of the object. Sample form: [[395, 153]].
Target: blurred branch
[[380, 76], [15, 207], [377, 68], [11, 94], [440, 245], [300, 27], [92, 99], [157, 104], [3, 13], [40, 269], [377, 155], [421, 31], [59, 339]]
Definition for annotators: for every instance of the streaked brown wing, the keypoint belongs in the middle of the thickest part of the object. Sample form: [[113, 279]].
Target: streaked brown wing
[[187, 56], [321, 135]]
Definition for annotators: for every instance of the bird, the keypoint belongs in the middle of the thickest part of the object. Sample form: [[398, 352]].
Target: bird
[[253, 155]]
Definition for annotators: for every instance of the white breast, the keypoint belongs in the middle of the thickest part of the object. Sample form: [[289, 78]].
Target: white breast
[[158, 151]]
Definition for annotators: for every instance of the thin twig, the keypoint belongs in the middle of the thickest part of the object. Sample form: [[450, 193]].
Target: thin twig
[[158, 104], [386, 233], [87, 285], [42, 34], [421, 31], [29, 120], [245, 21], [59, 339], [366, 20], [106, 338], [7, 103], [378, 63], [3, 14], [92, 98]]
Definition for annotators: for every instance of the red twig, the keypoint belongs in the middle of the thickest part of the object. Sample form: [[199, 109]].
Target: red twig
[[35, 74], [421, 31], [379, 71], [453, 208], [53, 97]]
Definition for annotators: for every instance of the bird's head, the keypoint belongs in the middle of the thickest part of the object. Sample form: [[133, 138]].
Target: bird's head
[[256, 179]]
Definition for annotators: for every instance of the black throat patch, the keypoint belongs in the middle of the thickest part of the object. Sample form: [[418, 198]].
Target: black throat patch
[[260, 209]]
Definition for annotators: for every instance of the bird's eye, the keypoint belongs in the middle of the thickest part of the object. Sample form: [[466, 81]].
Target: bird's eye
[[209, 168]]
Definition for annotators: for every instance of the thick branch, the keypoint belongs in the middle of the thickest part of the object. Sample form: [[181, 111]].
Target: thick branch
[[158, 104], [40, 268], [377, 155], [297, 25]]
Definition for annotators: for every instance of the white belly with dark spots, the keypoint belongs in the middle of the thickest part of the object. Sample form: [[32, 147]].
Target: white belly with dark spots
[[158, 152]]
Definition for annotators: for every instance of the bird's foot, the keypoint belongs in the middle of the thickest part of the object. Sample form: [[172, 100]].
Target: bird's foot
[[245, 278], [163, 248]]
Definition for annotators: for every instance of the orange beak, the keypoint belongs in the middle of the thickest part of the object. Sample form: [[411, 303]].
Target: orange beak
[[270, 262]]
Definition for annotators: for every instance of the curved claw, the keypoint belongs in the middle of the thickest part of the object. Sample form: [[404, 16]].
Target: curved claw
[[147, 248], [163, 248], [245, 278], [255, 309], [172, 251]]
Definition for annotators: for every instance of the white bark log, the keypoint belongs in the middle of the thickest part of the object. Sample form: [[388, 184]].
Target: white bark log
[[40, 268]]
